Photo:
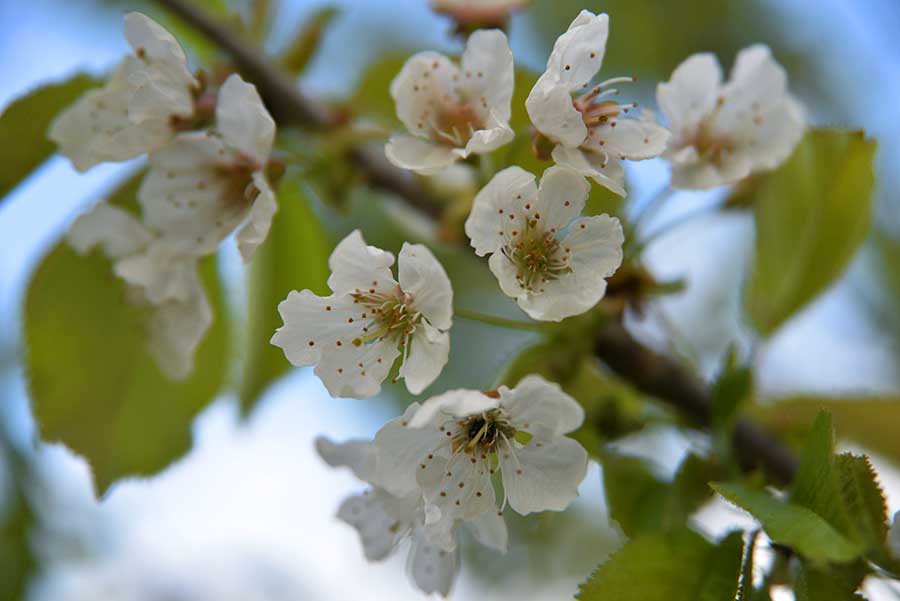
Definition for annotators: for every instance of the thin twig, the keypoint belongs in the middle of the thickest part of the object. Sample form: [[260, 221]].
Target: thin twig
[[663, 378], [647, 370]]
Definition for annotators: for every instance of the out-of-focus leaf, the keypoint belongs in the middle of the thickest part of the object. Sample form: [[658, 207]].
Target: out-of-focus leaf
[[93, 385], [293, 257], [641, 502], [832, 583], [635, 496], [811, 217], [677, 566], [23, 127], [296, 56], [373, 97], [16, 519], [730, 389], [870, 422], [792, 525]]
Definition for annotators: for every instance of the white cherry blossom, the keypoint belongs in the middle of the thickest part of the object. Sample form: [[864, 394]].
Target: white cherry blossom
[[384, 520], [455, 443], [138, 109], [725, 131], [548, 257], [204, 184], [590, 132], [354, 335], [162, 273], [453, 111]]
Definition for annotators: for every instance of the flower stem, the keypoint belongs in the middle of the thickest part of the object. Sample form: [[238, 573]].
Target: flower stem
[[501, 322], [651, 207]]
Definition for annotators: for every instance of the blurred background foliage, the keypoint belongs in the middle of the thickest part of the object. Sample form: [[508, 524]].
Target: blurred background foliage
[[93, 386]]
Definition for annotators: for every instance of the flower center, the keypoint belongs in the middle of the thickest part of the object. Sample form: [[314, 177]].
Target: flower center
[[455, 123], [392, 316], [481, 433], [711, 145], [538, 257], [595, 106]]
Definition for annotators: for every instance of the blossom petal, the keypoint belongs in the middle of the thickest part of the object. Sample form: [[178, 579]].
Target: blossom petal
[[420, 155], [553, 113], [545, 477], [757, 82], [634, 139], [165, 271], [98, 127], [356, 454], [379, 531], [561, 196], [541, 407], [422, 82], [458, 489], [151, 41], [243, 120], [185, 195], [423, 277], [487, 56], [357, 266], [175, 329], [428, 354], [489, 529], [489, 139], [262, 211], [506, 274], [606, 171], [400, 449], [509, 189], [691, 93], [452, 404], [115, 229], [578, 53], [432, 569], [325, 331]]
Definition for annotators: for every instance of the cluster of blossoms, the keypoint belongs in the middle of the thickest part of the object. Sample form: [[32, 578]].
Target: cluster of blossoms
[[435, 470], [207, 152], [432, 471]]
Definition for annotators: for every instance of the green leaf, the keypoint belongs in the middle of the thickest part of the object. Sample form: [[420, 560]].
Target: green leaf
[[868, 421], [676, 566], [792, 525], [636, 498], [814, 583], [92, 383], [865, 504], [816, 485], [641, 502], [296, 56], [372, 97], [293, 257], [811, 217], [25, 123]]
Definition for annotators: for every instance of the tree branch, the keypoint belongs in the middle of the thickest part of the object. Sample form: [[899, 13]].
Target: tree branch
[[289, 106], [650, 372], [663, 378]]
